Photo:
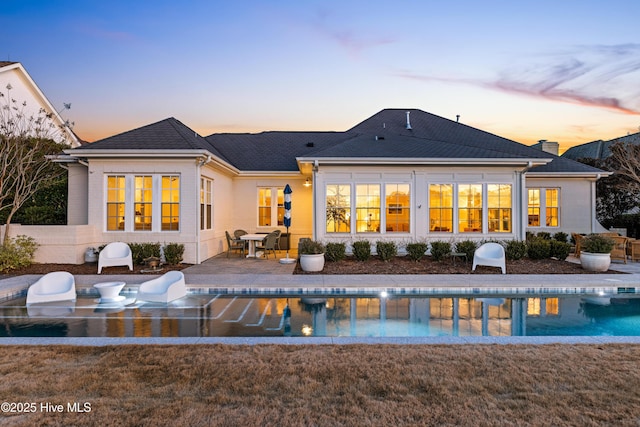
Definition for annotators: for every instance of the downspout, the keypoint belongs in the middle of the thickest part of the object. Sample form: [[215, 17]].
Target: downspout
[[314, 203], [522, 187], [594, 220]]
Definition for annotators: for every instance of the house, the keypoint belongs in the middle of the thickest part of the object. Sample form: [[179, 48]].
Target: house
[[16, 84], [402, 174], [599, 149]]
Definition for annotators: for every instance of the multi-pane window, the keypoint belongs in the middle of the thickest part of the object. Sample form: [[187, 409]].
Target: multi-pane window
[[470, 208], [205, 204], [499, 207], [270, 209], [143, 202], [367, 208], [338, 208], [534, 207], [552, 207], [441, 207], [544, 207], [264, 207], [170, 204], [397, 205], [115, 202]]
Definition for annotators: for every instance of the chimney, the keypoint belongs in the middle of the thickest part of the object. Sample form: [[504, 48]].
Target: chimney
[[408, 121], [547, 146]]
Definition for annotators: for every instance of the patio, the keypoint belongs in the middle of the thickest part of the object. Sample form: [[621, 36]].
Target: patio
[[236, 264]]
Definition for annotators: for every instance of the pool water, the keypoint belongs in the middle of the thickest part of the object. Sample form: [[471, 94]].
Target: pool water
[[332, 316]]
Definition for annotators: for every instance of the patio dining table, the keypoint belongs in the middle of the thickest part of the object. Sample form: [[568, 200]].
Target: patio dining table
[[252, 238]]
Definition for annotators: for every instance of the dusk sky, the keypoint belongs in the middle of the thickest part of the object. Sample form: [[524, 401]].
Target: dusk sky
[[566, 71]]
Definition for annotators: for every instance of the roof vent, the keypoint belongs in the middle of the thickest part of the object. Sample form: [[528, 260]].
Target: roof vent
[[378, 137], [309, 144], [408, 121]]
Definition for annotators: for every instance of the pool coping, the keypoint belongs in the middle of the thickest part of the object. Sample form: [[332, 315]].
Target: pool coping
[[250, 341]]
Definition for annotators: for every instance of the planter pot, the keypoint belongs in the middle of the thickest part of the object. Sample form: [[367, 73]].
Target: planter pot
[[595, 262], [314, 262]]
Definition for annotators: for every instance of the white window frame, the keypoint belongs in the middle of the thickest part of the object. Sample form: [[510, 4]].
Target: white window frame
[[274, 206], [129, 211], [543, 207], [206, 199]]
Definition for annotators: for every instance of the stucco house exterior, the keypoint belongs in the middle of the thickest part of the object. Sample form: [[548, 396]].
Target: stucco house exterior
[[402, 174]]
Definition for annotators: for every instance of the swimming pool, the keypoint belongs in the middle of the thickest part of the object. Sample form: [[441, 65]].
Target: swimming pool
[[278, 315]]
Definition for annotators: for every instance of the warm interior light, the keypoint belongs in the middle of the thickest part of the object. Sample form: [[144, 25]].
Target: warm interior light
[[307, 183]]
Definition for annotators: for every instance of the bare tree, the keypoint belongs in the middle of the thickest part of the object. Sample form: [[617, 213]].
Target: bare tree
[[26, 143], [625, 161]]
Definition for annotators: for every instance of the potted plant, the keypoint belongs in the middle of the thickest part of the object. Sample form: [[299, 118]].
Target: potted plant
[[595, 254], [311, 255]]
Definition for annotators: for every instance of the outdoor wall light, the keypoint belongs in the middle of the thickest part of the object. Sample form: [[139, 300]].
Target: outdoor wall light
[[307, 183]]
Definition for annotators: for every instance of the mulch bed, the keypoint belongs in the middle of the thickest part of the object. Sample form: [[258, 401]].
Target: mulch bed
[[404, 265], [398, 265]]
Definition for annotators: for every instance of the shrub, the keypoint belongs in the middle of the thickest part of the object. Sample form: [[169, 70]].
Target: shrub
[[539, 248], [416, 250], [140, 251], [597, 244], [18, 252], [467, 247], [440, 249], [561, 237], [335, 251], [310, 247], [560, 250], [515, 249], [173, 253], [386, 250], [543, 235], [362, 250]]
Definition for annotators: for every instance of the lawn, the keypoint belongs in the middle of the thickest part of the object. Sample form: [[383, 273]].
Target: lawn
[[324, 385]]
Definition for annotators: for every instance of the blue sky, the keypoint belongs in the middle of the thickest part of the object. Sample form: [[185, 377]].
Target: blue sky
[[565, 71]]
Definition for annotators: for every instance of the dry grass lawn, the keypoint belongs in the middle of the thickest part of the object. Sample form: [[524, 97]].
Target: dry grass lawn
[[386, 385]]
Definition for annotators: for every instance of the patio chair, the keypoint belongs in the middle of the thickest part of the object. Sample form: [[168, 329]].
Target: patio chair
[[236, 236], [268, 244], [166, 288], [578, 239], [490, 254], [278, 235], [619, 250], [234, 244], [56, 286], [114, 254]]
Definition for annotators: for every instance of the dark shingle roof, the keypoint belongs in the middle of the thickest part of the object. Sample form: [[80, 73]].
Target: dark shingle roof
[[598, 149], [384, 135], [167, 134], [275, 151]]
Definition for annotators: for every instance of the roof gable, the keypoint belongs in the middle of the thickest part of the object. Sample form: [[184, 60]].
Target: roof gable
[[167, 134]]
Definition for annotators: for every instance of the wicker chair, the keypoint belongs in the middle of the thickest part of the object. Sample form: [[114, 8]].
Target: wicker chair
[[268, 244], [619, 251], [234, 244]]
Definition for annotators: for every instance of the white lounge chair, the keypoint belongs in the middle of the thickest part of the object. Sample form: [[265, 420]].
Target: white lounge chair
[[166, 288], [491, 254], [116, 253], [56, 286]]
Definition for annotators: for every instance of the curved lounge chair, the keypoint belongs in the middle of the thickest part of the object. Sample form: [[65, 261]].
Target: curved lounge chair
[[115, 253], [56, 286], [166, 288], [491, 254]]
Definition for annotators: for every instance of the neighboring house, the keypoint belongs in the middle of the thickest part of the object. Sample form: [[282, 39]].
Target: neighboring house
[[403, 175], [16, 84], [598, 149]]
